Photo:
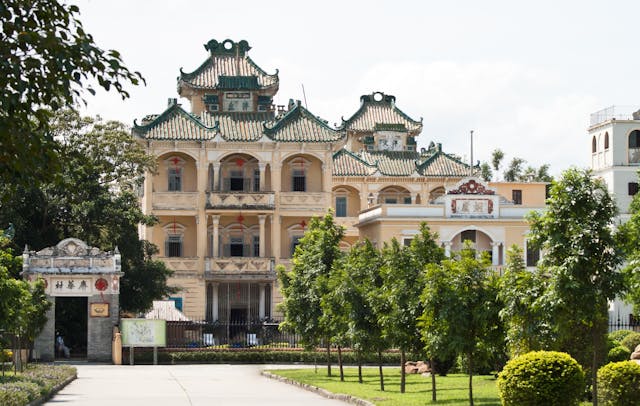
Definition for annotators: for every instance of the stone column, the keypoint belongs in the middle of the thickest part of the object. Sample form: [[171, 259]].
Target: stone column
[[201, 238], [214, 301], [216, 176], [216, 223], [495, 253], [447, 248], [261, 219], [261, 307]]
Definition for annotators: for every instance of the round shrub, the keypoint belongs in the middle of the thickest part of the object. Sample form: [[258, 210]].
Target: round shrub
[[619, 384], [619, 353], [619, 335], [541, 378], [6, 356], [631, 341]]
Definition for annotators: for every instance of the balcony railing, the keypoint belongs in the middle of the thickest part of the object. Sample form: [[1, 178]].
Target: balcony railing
[[239, 265], [241, 200], [175, 200], [181, 264], [615, 113], [308, 201]]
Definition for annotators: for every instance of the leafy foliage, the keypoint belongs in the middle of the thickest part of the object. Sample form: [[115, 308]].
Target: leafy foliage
[[460, 308], [526, 326], [541, 378], [629, 239], [619, 335], [93, 198], [631, 341], [48, 59], [619, 384], [307, 283], [618, 353]]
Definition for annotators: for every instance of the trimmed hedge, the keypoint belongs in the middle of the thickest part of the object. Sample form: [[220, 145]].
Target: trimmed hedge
[[631, 341], [34, 382], [619, 384], [258, 356], [619, 335], [541, 378], [619, 353]]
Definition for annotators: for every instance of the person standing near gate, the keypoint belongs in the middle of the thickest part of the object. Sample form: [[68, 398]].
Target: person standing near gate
[[61, 348]]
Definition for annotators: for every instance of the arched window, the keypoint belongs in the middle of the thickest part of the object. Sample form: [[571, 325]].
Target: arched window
[[174, 233], [594, 144], [634, 147], [606, 141], [175, 166]]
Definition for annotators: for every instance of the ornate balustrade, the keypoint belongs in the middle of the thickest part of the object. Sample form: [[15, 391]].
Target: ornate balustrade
[[308, 201], [241, 200], [175, 200]]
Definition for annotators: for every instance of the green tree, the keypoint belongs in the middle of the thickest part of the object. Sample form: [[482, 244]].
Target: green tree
[[460, 306], [485, 172], [306, 284], [403, 278], [527, 328], [628, 238], [514, 171], [496, 160], [581, 258], [48, 60], [93, 198], [361, 288]]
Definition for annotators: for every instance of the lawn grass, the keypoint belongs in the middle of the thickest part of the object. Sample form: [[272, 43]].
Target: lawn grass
[[451, 390]]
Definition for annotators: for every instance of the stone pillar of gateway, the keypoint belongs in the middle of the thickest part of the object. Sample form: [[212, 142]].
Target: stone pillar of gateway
[[72, 269]]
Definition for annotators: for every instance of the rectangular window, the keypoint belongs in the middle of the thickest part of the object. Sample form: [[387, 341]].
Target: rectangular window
[[633, 188], [299, 181], [175, 179], [407, 200], [533, 254], [236, 248], [516, 196], [177, 302], [173, 246], [390, 200], [407, 242], [236, 181], [341, 206], [468, 235]]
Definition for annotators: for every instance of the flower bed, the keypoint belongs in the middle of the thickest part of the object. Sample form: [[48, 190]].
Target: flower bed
[[35, 382]]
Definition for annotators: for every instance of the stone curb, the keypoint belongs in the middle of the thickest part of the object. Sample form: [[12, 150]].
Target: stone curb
[[41, 400], [322, 392]]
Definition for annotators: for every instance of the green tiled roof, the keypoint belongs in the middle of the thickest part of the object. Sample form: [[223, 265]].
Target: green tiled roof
[[299, 125], [378, 112], [235, 127], [225, 67], [346, 163], [173, 124], [397, 163]]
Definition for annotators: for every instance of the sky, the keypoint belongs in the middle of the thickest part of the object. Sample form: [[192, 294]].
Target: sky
[[524, 76]]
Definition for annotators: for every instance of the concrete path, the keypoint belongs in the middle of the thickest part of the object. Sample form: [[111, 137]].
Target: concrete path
[[177, 385]]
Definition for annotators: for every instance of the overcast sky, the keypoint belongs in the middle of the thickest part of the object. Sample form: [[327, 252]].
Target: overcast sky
[[523, 75]]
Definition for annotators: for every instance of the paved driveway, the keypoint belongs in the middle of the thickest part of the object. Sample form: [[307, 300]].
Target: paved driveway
[[178, 385]]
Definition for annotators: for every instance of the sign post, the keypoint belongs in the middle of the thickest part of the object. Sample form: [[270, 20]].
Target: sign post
[[143, 333]]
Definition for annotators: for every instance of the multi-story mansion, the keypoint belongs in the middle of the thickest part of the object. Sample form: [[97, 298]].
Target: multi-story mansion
[[238, 180]]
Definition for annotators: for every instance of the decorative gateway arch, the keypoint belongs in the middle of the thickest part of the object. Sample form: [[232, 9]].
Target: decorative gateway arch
[[74, 271]]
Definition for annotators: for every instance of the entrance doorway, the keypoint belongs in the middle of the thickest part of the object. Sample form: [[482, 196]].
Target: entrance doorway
[[71, 324]]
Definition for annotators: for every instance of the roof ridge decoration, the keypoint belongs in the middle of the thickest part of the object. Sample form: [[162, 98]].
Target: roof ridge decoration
[[381, 100], [227, 59], [344, 150], [435, 150], [471, 186], [272, 129]]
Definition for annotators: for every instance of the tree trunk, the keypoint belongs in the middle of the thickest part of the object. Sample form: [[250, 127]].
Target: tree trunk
[[340, 364], [432, 367], [470, 358], [403, 360], [359, 371], [328, 358], [380, 371]]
